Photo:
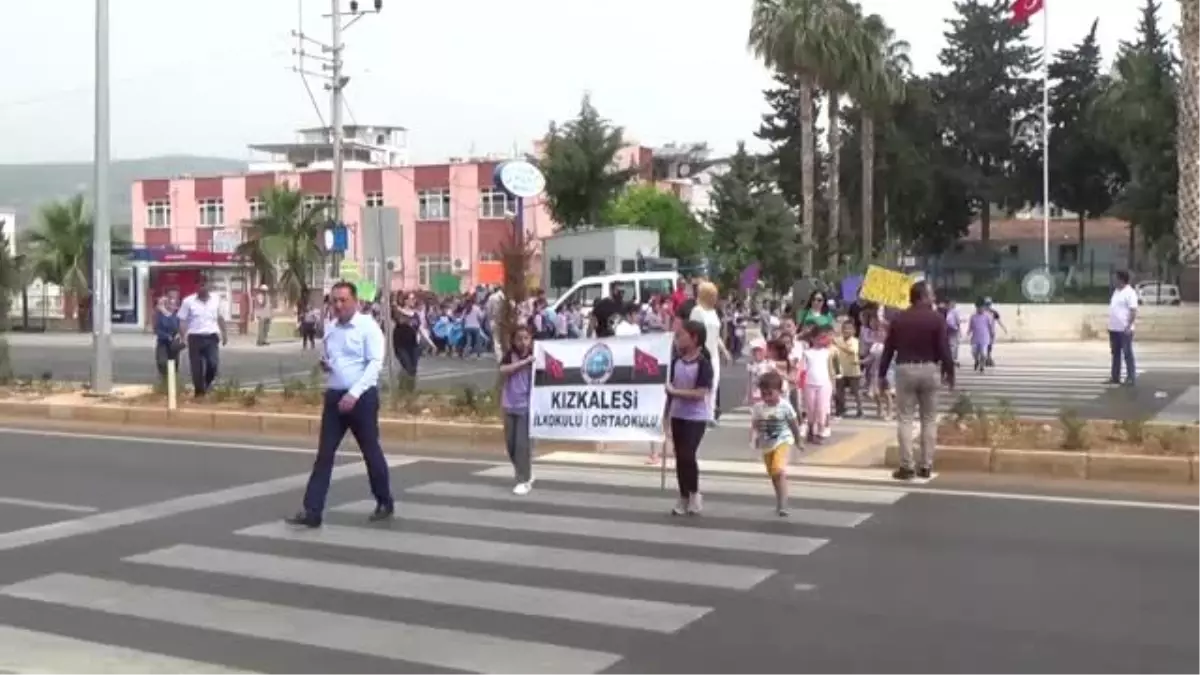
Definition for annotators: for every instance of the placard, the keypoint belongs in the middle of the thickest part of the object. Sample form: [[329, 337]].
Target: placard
[[610, 389], [886, 287]]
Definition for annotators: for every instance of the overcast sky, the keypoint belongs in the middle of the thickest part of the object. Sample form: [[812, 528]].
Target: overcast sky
[[465, 76]]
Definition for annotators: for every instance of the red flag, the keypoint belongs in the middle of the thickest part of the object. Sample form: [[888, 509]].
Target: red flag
[[644, 363], [554, 367], [1022, 10]]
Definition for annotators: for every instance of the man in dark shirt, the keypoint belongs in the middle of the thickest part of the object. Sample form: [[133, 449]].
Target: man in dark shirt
[[605, 311], [919, 342]]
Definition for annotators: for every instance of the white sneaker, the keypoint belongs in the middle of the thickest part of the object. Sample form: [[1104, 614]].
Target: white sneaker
[[695, 505], [803, 429], [826, 432], [681, 507], [522, 489]]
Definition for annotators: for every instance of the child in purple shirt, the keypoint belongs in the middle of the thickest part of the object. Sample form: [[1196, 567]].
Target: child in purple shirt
[[689, 410], [517, 370], [981, 330]]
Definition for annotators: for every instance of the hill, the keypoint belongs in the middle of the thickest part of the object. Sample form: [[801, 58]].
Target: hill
[[25, 187]]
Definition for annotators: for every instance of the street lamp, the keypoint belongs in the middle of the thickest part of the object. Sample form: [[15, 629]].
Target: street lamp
[[102, 225]]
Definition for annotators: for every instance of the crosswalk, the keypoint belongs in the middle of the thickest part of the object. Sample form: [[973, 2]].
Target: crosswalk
[[1037, 391], [594, 549]]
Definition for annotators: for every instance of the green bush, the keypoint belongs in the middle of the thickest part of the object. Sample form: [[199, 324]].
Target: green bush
[[1134, 428], [963, 407], [1074, 429]]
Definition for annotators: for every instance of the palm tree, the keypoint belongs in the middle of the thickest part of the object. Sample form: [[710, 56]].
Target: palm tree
[[882, 84], [10, 281], [60, 251], [284, 244], [1188, 138], [797, 37]]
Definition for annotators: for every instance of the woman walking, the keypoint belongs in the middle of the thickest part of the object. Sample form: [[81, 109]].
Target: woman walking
[[705, 314], [167, 342], [689, 403]]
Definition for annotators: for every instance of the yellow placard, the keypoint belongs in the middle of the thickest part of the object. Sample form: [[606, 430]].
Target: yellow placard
[[348, 270], [886, 287]]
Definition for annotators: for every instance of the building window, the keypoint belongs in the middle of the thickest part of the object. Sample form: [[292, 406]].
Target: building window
[[258, 207], [429, 265], [489, 256], [158, 214], [433, 205], [628, 266], [373, 269], [312, 201], [594, 267], [212, 212], [495, 203], [374, 200], [123, 289], [562, 274]]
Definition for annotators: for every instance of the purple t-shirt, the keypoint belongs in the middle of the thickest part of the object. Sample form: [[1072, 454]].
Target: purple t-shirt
[[981, 329], [694, 374], [514, 397]]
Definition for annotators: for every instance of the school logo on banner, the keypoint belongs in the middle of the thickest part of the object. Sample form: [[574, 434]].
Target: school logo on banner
[[615, 393]]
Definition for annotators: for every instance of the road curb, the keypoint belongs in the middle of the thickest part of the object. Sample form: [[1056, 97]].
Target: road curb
[[460, 435], [1106, 466]]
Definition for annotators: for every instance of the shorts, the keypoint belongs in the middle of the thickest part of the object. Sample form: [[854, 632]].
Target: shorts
[[776, 459], [851, 382]]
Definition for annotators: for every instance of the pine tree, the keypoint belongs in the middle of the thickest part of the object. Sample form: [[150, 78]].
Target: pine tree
[[984, 94]]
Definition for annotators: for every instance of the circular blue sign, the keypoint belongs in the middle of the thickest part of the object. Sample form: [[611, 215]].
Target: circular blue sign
[[597, 364], [520, 179]]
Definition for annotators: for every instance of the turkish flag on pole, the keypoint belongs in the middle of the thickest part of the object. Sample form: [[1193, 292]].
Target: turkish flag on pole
[[1022, 10]]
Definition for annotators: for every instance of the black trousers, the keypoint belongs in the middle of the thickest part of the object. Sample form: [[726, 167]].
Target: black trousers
[[685, 437], [363, 422], [203, 359]]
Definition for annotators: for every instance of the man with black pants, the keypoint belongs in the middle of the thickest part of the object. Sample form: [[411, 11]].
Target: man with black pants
[[354, 348], [202, 328]]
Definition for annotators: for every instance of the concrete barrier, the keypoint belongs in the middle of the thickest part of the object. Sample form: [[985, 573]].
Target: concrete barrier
[[1074, 323]]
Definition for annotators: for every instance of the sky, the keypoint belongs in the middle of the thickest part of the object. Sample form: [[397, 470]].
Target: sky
[[466, 77]]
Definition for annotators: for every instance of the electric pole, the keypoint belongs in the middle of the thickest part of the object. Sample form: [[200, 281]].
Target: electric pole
[[332, 67], [102, 374]]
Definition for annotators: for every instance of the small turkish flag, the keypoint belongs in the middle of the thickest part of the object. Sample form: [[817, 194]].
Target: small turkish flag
[[644, 363], [554, 367], [1022, 10]]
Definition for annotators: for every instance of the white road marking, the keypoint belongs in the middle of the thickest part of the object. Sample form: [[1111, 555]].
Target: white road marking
[[27, 651], [438, 647], [662, 570], [100, 522], [49, 506], [652, 533]]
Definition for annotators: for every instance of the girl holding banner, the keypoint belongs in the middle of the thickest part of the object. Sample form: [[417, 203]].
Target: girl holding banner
[[689, 401]]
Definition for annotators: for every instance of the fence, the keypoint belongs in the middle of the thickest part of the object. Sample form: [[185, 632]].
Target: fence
[[1087, 283]]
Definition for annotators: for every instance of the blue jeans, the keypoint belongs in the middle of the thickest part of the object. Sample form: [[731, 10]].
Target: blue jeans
[[363, 422], [203, 359], [1120, 343], [472, 341]]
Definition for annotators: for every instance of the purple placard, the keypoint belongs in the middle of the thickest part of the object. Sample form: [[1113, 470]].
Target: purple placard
[[850, 288]]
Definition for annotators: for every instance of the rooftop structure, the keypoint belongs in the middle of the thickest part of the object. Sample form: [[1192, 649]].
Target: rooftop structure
[[365, 146]]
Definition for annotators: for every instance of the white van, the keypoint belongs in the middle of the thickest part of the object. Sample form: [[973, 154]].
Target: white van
[[637, 287]]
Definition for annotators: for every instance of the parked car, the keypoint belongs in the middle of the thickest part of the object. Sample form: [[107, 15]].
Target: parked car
[[1158, 293]]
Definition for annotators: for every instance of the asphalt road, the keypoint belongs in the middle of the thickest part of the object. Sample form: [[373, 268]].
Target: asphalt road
[[152, 555]]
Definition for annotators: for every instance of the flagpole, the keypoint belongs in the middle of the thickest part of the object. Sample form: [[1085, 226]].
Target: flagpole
[[1046, 136]]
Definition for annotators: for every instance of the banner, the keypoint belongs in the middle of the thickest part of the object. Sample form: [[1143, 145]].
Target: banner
[[611, 389], [886, 287]]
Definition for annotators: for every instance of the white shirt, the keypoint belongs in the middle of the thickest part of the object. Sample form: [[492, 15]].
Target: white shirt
[[354, 352], [199, 317], [1121, 307], [712, 330], [816, 367], [626, 329]]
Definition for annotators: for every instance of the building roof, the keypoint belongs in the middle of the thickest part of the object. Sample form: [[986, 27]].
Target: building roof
[[1061, 229], [353, 127], [284, 148]]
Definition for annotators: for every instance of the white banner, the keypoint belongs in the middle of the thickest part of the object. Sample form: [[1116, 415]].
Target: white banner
[[610, 389]]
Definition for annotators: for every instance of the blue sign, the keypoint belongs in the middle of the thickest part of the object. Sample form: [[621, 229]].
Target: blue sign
[[520, 179], [337, 238]]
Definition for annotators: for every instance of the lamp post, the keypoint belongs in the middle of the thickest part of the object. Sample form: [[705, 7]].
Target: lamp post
[[102, 225]]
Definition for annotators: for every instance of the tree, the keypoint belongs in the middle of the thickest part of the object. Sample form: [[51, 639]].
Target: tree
[[60, 250], [796, 37], [1085, 169], [578, 163], [283, 245], [680, 235], [985, 91], [1188, 143], [1138, 113], [751, 222], [10, 281]]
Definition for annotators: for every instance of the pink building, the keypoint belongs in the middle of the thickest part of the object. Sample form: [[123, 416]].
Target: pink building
[[451, 218]]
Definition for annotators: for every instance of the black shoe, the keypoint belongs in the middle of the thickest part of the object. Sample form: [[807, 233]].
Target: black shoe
[[304, 519], [924, 472], [903, 474], [382, 512]]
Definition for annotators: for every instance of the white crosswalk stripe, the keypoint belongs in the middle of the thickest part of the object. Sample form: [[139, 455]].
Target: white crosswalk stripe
[[1039, 391], [587, 548]]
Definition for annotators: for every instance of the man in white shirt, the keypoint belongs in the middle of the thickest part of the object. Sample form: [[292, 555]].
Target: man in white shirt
[[353, 354], [628, 325], [202, 327], [1122, 314]]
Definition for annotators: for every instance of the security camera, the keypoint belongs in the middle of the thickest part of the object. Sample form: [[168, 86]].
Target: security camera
[[378, 5], [353, 6]]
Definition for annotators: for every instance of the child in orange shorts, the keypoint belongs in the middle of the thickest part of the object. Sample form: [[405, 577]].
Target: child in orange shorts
[[774, 429]]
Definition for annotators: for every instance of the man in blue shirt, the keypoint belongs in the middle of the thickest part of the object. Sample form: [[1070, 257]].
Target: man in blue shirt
[[354, 350]]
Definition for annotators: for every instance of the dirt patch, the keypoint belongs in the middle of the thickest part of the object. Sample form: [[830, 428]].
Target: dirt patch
[[1133, 437]]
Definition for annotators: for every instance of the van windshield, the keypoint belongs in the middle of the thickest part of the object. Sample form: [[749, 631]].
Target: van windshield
[[584, 296]]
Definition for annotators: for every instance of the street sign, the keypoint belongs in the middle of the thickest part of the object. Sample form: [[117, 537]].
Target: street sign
[[520, 179], [1038, 285], [337, 238]]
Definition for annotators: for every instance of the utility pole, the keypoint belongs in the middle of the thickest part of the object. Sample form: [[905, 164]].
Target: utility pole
[[332, 67], [102, 375]]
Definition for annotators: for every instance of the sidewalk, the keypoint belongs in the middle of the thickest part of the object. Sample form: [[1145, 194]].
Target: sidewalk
[[131, 340]]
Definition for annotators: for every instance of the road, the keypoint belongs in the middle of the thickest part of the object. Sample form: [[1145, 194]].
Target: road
[[158, 555]]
